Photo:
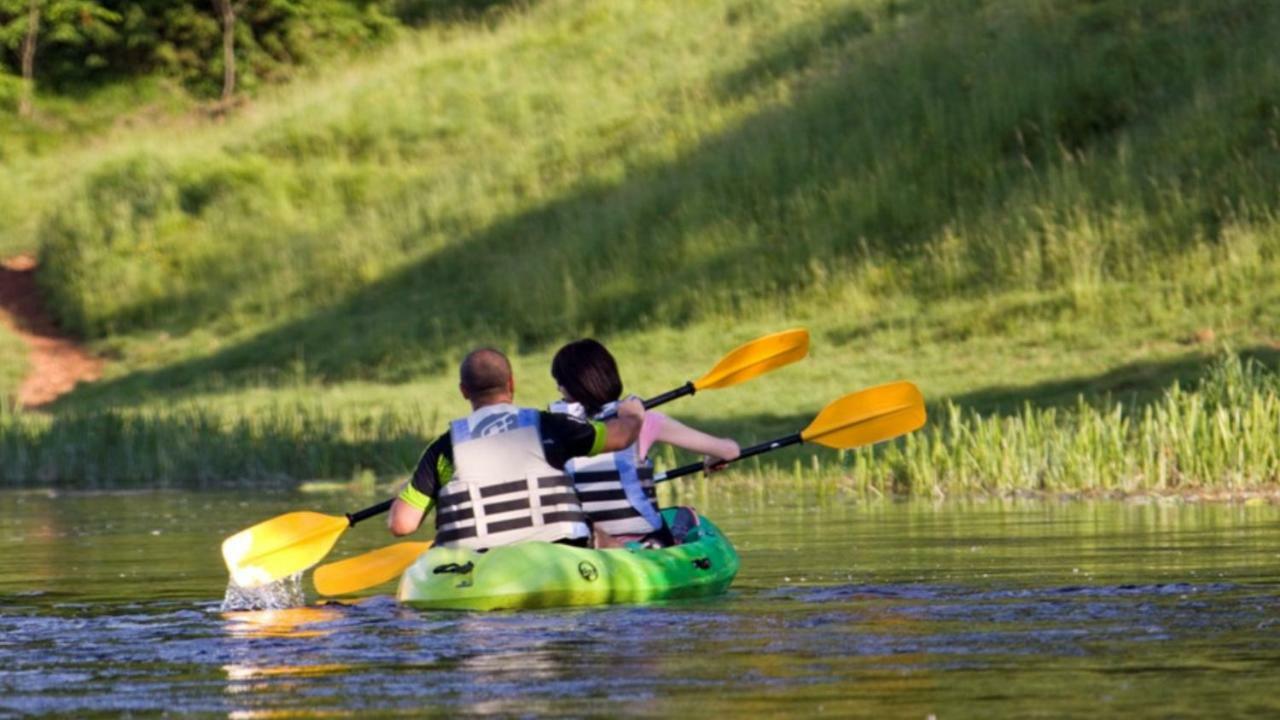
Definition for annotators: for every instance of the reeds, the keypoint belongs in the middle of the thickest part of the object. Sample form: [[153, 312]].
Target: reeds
[[1223, 435]]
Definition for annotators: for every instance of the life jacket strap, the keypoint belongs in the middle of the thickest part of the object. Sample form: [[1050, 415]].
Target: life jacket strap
[[461, 506], [463, 533]]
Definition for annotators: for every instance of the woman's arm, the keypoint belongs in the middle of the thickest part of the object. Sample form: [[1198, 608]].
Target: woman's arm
[[677, 433]]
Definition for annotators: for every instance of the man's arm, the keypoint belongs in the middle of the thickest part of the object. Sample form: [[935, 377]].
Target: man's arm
[[565, 438], [623, 430], [435, 468], [405, 518]]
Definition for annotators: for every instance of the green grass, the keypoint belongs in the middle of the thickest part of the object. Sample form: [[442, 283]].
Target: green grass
[[13, 364], [1008, 202], [69, 136], [757, 154]]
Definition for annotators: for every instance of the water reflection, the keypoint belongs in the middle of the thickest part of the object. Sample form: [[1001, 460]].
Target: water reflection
[[294, 622], [278, 652]]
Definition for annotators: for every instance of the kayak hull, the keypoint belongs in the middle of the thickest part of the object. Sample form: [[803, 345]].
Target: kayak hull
[[542, 575]]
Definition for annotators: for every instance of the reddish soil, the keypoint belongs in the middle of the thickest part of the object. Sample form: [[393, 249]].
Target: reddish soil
[[57, 362]]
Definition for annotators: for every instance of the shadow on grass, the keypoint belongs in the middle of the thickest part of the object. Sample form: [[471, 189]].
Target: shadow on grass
[[194, 449], [746, 215], [1137, 384]]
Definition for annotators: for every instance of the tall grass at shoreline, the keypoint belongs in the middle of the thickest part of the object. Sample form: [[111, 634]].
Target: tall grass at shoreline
[[1223, 435]]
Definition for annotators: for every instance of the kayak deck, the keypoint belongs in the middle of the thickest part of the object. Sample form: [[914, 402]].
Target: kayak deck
[[541, 575]]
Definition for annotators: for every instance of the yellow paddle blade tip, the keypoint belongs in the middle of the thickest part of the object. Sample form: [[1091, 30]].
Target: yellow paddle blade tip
[[368, 570], [756, 358], [279, 547], [869, 416]]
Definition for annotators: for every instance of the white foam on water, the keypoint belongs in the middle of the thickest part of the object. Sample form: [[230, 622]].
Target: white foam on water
[[278, 595]]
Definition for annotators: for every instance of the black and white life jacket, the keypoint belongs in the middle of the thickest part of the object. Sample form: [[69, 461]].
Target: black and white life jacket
[[616, 489], [503, 489]]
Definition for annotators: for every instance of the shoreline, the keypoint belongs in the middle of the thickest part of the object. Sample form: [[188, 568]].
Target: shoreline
[[358, 492]]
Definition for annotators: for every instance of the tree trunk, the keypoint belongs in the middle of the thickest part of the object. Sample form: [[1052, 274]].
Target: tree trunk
[[227, 14], [25, 104]]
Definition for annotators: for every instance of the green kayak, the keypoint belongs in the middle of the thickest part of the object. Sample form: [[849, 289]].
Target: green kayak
[[539, 574]]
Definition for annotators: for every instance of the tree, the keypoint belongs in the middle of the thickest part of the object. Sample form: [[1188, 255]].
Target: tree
[[227, 12], [29, 58], [69, 22]]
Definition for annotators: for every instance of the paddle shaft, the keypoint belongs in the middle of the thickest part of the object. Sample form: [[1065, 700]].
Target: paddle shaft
[[764, 447], [368, 512], [666, 397], [686, 389]]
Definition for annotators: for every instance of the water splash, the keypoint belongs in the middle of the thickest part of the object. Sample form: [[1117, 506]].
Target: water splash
[[279, 595]]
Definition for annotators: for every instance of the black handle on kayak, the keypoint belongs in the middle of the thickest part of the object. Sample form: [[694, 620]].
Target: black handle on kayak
[[365, 514], [666, 397], [763, 447]]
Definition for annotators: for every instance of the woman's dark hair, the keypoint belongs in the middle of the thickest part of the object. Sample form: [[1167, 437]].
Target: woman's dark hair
[[586, 370]]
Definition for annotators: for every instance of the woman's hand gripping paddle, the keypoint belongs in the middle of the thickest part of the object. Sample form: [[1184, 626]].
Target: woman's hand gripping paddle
[[747, 361]]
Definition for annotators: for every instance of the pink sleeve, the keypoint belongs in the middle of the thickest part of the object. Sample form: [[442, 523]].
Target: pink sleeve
[[649, 431]]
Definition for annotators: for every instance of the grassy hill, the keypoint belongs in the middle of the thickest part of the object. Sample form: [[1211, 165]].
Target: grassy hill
[[1006, 201]]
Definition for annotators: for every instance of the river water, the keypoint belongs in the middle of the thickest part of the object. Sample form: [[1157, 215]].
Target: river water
[[110, 604]]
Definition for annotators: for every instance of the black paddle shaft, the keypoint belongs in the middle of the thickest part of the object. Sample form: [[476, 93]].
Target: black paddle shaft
[[653, 402], [666, 397], [365, 514], [763, 447]]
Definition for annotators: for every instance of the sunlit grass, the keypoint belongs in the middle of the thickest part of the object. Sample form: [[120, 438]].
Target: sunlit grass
[[635, 165], [927, 186]]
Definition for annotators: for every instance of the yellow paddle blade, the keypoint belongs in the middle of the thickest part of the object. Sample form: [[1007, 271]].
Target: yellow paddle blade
[[868, 416], [756, 358], [365, 571], [279, 547]]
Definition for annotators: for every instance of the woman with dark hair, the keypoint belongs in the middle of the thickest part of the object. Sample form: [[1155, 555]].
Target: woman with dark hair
[[616, 489]]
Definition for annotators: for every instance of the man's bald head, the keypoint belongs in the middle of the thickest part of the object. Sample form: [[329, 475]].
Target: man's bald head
[[485, 377]]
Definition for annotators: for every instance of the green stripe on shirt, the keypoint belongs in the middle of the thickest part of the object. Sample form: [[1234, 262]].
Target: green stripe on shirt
[[420, 500], [601, 434], [411, 497]]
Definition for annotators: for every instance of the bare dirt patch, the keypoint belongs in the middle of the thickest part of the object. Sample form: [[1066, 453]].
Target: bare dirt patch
[[57, 362]]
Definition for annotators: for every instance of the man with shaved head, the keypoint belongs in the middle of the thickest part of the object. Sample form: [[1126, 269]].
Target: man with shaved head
[[497, 476]]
